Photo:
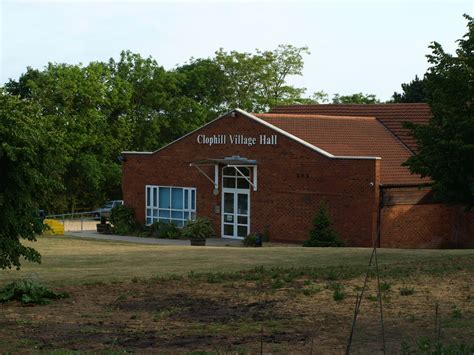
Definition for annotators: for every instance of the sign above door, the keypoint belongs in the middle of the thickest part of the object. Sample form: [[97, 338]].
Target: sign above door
[[237, 139]]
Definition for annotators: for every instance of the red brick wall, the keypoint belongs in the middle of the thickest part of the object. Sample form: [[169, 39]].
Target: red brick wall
[[423, 225], [466, 228], [292, 181]]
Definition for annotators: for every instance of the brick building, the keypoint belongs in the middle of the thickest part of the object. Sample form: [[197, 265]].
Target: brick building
[[270, 172]]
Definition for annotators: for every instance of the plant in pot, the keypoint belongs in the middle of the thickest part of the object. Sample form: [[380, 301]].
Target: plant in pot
[[198, 231], [104, 227]]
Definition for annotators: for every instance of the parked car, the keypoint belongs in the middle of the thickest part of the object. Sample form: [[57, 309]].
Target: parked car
[[106, 209]]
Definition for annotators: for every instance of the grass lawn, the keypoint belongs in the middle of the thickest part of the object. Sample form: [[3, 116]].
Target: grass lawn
[[69, 261], [212, 300]]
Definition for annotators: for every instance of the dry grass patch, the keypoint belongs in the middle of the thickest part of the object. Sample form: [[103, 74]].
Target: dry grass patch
[[145, 298], [69, 261], [192, 314]]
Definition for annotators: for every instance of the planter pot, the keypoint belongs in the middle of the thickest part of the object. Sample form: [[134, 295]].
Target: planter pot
[[104, 228], [198, 242]]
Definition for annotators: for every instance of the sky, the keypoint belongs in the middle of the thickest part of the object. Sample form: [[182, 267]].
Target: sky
[[356, 46]]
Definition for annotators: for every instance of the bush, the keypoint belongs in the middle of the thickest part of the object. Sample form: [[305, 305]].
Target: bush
[[201, 228], [164, 230], [250, 240], [338, 289], [339, 295], [28, 292], [123, 220], [322, 234]]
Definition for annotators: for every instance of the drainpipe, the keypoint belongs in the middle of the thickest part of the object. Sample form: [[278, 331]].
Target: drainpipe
[[379, 215]]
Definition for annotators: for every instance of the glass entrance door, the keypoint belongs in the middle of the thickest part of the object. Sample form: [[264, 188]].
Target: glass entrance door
[[235, 216], [235, 203]]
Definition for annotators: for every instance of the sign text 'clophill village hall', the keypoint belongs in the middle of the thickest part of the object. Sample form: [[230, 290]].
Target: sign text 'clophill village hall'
[[237, 139]]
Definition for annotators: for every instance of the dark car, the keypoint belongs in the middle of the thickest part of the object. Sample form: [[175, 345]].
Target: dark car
[[106, 209]]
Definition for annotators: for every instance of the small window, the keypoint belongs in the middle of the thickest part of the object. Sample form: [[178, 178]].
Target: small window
[[170, 204], [229, 171], [233, 178]]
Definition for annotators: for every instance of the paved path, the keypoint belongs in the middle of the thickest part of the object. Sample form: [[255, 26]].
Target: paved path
[[215, 242]]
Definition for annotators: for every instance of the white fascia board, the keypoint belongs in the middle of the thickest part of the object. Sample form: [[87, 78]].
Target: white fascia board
[[301, 141], [182, 137], [269, 125]]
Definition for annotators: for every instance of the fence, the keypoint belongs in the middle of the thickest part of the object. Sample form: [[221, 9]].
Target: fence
[[77, 221]]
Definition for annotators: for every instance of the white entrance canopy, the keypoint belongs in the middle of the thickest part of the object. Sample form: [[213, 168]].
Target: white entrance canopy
[[235, 161]]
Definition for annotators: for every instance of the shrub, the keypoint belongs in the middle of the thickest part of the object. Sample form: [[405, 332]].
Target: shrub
[[385, 287], [164, 230], [339, 294], [252, 240], [123, 220], [322, 234], [28, 292], [201, 228]]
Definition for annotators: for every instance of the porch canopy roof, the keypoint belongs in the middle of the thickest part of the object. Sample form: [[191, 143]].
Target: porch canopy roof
[[234, 161]]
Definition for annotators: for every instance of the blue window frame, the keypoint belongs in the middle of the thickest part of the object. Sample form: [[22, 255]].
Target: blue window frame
[[170, 204]]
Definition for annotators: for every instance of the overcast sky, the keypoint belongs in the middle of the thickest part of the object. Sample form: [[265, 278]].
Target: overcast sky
[[356, 46]]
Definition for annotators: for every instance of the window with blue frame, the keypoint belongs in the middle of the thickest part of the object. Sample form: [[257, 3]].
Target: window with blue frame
[[170, 204]]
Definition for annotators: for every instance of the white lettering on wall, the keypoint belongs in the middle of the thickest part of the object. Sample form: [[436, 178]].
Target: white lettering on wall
[[236, 139]]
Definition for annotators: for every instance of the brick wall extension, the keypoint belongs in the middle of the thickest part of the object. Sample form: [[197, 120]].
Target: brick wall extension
[[292, 181], [413, 220]]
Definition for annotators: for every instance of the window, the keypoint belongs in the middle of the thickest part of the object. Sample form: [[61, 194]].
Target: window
[[233, 179], [170, 204]]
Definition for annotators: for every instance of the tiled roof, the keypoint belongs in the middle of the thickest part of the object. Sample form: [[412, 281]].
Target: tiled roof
[[350, 136], [392, 116]]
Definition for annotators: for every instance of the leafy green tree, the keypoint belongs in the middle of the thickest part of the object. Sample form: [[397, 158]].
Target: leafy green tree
[[358, 98], [83, 104], [278, 65], [133, 103], [413, 92], [322, 234], [319, 97], [258, 81], [163, 105], [204, 81], [446, 145], [31, 166]]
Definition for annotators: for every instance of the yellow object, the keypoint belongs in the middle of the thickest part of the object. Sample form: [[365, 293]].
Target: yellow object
[[55, 227]]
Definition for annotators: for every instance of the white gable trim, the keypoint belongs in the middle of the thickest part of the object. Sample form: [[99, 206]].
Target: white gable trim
[[269, 125]]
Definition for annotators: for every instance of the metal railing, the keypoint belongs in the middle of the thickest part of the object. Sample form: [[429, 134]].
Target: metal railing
[[73, 217]]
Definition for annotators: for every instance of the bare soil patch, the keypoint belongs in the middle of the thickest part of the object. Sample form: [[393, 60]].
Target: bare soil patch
[[186, 314]]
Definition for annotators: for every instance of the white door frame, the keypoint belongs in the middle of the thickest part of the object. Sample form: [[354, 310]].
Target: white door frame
[[235, 192]]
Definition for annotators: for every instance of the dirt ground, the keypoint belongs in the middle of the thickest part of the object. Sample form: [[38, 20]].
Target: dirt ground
[[224, 316]]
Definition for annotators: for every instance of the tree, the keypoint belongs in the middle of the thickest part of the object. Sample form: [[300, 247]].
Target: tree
[[446, 145], [204, 81], [322, 234], [413, 92], [84, 105], [358, 98], [31, 165], [258, 81], [133, 103]]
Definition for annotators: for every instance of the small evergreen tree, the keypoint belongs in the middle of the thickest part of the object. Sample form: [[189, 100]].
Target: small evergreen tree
[[322, 234]]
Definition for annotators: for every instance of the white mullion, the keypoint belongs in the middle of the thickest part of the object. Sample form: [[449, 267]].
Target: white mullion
[[169, 208], [158, 202], [236, 212]]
